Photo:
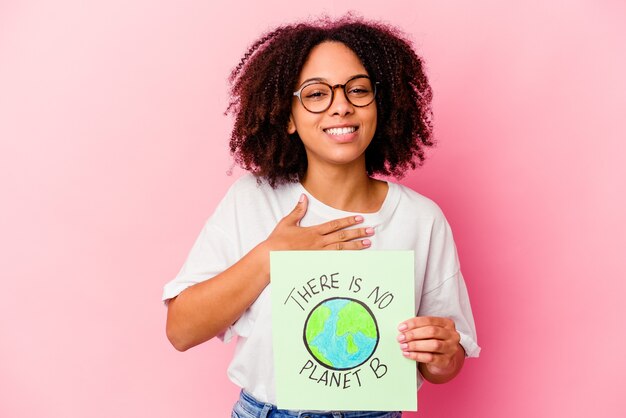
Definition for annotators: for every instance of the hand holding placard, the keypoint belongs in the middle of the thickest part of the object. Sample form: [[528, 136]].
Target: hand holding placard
[[433, 342]]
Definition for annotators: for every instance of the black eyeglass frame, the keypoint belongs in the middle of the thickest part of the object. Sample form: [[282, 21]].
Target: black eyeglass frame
[[298, 93]]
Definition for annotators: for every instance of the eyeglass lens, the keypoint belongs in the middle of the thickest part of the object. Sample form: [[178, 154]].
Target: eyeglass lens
[[317, 97]]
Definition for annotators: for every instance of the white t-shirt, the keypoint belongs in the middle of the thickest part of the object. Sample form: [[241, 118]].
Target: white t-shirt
[[248, 214]]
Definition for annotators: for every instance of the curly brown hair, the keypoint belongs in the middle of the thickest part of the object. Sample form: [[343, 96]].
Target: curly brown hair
[[262, 88]]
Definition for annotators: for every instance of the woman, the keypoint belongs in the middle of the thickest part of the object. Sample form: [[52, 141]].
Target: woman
[[320, 108]]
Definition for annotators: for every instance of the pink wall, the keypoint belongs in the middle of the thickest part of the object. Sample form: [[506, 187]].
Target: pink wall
[[113, 148]]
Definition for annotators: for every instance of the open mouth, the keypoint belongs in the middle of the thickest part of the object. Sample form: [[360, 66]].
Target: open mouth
[[341, 131]]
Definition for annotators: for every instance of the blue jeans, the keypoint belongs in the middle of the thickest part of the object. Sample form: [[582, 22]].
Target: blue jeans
[[249, 407]]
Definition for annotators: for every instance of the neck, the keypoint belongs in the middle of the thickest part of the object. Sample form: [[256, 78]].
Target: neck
[[345, 188]]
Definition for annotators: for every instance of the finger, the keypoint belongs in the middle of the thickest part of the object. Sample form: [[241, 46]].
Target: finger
[[424, 321], [347, 235], [337, 224], [427, 333], [350, 245], [296, 215], [419, 357], [432, 340], [428, 346], [438, 360]]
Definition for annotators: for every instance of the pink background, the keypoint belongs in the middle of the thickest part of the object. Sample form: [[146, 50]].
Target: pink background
[[114, 152]]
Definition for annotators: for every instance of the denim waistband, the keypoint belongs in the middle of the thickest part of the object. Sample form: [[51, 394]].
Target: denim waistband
[[249, 407]]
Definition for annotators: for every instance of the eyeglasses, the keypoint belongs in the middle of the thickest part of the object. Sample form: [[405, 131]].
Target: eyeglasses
[[317, 96]]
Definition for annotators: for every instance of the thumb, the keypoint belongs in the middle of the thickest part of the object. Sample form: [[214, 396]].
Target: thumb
[[299, 211]]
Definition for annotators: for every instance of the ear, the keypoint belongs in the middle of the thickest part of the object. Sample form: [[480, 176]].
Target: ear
[[291, 125]]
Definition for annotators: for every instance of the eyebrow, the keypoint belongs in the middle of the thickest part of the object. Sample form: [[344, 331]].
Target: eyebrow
[[308, 80]]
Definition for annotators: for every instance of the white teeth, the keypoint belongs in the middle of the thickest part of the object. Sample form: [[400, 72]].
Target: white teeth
[[340, 131]]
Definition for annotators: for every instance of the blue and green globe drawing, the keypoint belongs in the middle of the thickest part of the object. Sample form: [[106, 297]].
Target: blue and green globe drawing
[[341, 333]]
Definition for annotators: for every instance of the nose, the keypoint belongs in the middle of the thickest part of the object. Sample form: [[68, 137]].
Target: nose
[[340, 105]]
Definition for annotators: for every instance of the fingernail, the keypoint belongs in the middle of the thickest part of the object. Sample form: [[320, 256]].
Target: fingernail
[[301, 198], [358, 218], [366, 242], [405, 353], [369, 231], [404, 345], [402, 327], [401, 337]]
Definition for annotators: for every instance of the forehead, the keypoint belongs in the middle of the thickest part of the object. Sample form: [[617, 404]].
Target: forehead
[[331, 61]]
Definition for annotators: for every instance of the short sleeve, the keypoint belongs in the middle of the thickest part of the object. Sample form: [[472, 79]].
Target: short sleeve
[[451, 300], [212, 253], [444, 292]]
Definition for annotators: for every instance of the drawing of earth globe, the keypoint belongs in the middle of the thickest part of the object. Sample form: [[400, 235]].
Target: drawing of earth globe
[[341, 333]]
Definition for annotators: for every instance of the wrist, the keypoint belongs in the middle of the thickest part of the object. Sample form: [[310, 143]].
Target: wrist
[[261, 259], [435, 374], [440, 370]]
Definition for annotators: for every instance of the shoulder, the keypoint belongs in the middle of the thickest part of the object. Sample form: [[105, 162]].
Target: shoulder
[[251, 208], [416, 203], [250, 193], [248, 183], [249, 187]]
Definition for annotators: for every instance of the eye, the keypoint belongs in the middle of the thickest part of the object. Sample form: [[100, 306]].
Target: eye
[[315, 94], [359, 91]]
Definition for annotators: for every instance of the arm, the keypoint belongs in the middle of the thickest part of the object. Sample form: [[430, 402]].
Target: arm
[[203, 310]]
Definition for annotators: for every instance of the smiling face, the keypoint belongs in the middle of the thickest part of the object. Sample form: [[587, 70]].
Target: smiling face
[[339, 135]]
